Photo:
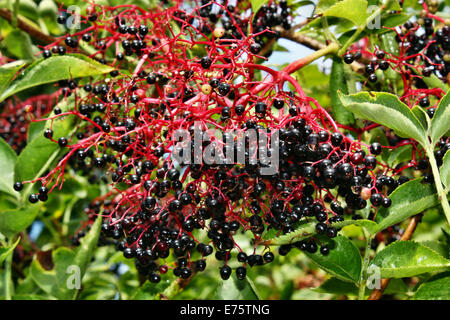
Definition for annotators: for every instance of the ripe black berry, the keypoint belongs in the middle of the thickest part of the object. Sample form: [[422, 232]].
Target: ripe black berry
[[331, 232], [18, 186], [372, 77], [241, 272], [206, 62], [242, 257], [154, 278], [224, 88], [255, 48], [375, 148], [47, 54], [200, 265], [386, 202], [62, 142], [376, 199], [268, 257], [33, 198], [348, 58], [325, 250], [225, 272]]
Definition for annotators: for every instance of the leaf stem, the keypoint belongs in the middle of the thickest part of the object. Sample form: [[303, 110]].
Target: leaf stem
[[7, 276], [442, 194], [362, 280], [300, 63]]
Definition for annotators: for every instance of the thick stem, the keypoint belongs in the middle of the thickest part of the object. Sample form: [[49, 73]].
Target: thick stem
[[442, 195], [8, 15], [300, 63], [7, 278]]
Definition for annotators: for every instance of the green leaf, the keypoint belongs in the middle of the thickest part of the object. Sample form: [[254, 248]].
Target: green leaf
[[54, 69], [303, 231], [87, 246], [408, 258], [151, 291], [28, 9], [7, 72], [434, 82], [422, 116], [353, 10], [440, 123], [308, 229], [35, 129], [28, 297], [386, 109], [400, 154], [48, 11], [6, 251], [338, 82], [388, 42], [338, 287], [234, 289], [257, 4], [14, 221], [436, 288], [409, 199], [445, 170], [370, 226], [323, 5], [344, 260], [8, 159], [440, 247], [396, 286], [54, 281], [19, 44], [40, 152]]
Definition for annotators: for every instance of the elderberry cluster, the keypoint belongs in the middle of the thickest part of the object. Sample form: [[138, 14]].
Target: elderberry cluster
[[158, 207]]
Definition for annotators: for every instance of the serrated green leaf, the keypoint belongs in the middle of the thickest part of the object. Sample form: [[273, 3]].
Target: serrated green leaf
[[338, 82], [408, 258], [440, 247], [87, 246], [386, 109], [434, 82], [14, 221], [54, 69], [257, 4], [234, 289], [19, 44], [409, 199], [54, 281], [440, 123], [338, 287], [39, 153], [7, 73], [8, 159], [323, 5], [307, 229], [303, 231], [400, 154], [436, 288], [370, 226], [151, 291], [422, 116], [353, 10], [344, 260]]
